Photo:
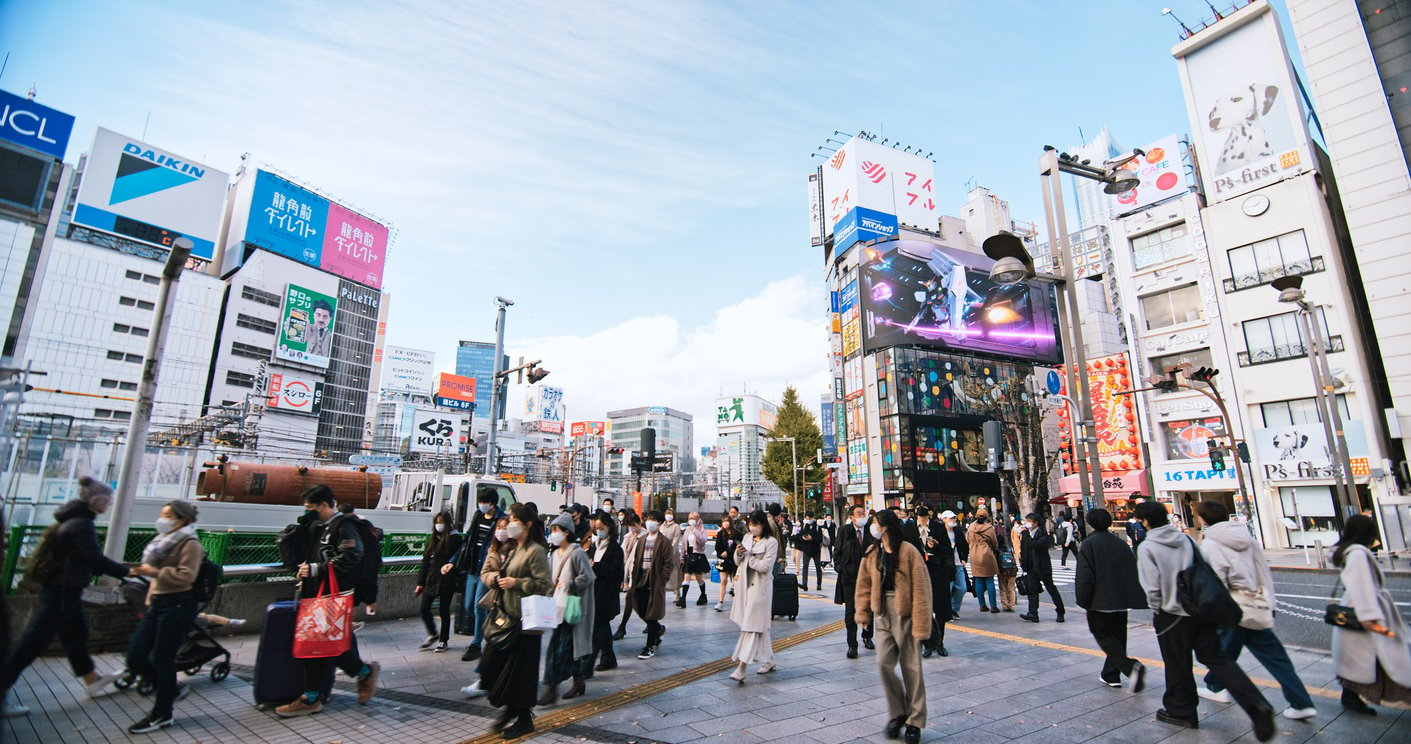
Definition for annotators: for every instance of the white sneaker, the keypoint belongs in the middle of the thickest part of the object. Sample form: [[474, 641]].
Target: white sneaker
[[430, 641], [1300, 714], [472, 691], [719, 606], [100, 685], [1222, 696], [13, 709], [235, 622]]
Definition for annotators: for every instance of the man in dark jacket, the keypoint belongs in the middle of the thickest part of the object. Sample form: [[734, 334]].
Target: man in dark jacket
[[1107, 586], [609, 568], [853, 540], [960, 552], [334, 546], [1038, 567], [478, 534], [809, 542], [75, 558], [931, 537]]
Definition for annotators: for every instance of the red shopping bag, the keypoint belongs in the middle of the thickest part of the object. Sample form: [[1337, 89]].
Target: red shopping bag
[[324, 626]]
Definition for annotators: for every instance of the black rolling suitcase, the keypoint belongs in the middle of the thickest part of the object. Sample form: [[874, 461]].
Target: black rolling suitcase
[[279, 677], [786, 596]]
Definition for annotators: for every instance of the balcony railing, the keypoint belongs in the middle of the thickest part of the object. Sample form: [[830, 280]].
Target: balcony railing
[[1264, 276], [1280, 352]]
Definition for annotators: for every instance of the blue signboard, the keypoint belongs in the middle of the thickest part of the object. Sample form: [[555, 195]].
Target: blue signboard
[[833, 302], [847, 299], [463, 405], [31, 125], [861, 223], [830, 439], [287, 219], [1055, 383]]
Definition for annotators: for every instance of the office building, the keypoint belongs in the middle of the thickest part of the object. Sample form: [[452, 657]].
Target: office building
[[477, 359], [742, 422], [674, 434], [1094, 207]]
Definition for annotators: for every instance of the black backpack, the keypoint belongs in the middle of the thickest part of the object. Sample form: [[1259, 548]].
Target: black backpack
[[208, 580], [365, 586], [1203, 595], [293, 546], [45, 562]]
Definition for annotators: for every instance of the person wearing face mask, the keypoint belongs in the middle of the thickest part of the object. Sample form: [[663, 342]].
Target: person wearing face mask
[[523, 571], [1034, 558], [495, 554], [894, 590], [433, 584], [1107, 586], [960, 552], [650, 566], [853, 540], [469, 561], [695, 566], [172, 560], [931, 537], [754, 598], [606, 555], [672, 531], [809, 542], [570, 651], [984, 565], [632, 526], [726, 538], [74, 556]]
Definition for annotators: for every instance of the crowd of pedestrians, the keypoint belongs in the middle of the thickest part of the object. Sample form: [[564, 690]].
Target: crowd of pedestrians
[[901, 577]]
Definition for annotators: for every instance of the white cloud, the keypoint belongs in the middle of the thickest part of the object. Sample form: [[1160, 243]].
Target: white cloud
[[775, 338]]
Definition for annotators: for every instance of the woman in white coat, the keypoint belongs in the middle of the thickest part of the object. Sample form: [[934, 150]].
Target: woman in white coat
[[1375, 662], [754, 596]]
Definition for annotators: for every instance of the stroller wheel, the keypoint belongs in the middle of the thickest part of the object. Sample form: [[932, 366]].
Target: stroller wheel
[[146, 687], [220, 671]]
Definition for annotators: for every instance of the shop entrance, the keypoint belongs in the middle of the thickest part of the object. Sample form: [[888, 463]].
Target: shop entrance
[[1186, 502]]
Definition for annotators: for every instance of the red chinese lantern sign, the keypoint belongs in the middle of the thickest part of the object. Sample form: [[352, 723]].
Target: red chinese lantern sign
[[1119, 445]]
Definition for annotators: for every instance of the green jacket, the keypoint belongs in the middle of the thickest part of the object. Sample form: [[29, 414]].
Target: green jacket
[[530, 565]]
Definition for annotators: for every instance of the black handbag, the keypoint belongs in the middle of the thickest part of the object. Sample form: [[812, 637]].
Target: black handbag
[[1341, 616], [500, 629]]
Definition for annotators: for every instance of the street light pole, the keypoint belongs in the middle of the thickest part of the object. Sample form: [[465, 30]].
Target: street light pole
[[794, 451], [136, 448], [491, 461]]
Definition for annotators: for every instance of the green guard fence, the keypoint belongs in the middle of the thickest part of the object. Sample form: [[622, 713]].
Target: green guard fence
[[227, 548]]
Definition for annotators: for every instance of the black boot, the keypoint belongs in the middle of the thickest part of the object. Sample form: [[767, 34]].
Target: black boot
[[1354, 702], [574, 690], [523, 725], [620, 634], [472, 652]]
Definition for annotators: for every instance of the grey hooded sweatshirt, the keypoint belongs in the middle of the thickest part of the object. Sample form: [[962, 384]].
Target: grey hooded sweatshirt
[[1236, 557], [1165, 552]]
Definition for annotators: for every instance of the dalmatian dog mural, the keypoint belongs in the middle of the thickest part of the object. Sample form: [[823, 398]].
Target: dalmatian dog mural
[[1240, 111]]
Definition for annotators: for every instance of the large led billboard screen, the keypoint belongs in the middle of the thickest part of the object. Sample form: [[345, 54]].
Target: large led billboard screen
[[916, 293]]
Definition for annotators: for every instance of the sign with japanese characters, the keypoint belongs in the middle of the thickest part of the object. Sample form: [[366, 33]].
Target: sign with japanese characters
[[297, 223], [294, 393], [407, 370], [870, 189], [306, 327]]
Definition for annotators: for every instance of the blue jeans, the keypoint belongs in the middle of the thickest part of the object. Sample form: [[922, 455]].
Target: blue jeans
[[957, 590], [152, 652], [982, 585], [474, 590], [1270, 652]]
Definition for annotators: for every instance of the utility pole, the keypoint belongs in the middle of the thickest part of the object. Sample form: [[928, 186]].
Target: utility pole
[[142, 413], [491, 461]]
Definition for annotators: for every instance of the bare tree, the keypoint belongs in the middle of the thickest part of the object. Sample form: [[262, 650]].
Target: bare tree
[[1011, 403]]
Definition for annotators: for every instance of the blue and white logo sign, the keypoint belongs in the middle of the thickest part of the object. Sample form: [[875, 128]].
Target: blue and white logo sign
[[31, 125], [1054, 382], [148, 194], [861, 223]]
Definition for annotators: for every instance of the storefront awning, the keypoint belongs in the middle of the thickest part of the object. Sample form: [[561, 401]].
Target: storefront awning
[[1115, 487]]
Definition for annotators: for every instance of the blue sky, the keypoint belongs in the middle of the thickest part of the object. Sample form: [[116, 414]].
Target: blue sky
[[632, 174]]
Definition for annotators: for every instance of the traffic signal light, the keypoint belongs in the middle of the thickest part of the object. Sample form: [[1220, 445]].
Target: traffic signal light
[[1203, 374], [614, 450], [1217, 455], [536, 373]]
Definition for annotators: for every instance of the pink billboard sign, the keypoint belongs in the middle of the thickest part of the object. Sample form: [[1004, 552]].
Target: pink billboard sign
[[354, 247]]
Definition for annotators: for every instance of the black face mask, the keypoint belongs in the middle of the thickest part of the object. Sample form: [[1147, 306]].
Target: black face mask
[[309, 516]]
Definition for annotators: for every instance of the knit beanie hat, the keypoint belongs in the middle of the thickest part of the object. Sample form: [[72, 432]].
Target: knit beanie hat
[[564, 522], [94, 494]]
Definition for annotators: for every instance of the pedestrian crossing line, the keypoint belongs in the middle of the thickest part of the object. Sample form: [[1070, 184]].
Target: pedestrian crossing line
[[1149, 663], [573, 714]]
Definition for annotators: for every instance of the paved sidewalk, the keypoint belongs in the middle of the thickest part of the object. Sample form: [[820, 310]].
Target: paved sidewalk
[[1005, 680]]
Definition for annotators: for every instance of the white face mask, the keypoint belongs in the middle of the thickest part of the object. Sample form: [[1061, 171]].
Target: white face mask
[[514, 530], [652, 525], [693, 522], [487, 508], [756, 529], [165, 525], [671, 517], [440, 528], [556, 538], [808, 521], [876, 532], [502, 534]]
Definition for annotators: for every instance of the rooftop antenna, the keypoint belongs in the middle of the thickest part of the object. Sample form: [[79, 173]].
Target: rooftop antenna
[[1081, 137], [145, 125], [1187, 29], [1211, 5]]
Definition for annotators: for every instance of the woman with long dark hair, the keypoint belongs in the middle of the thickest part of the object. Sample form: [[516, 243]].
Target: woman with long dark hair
[[754, 596], [496, 553], [433, 585], [894, 593], [1373, 662], [510, 674]]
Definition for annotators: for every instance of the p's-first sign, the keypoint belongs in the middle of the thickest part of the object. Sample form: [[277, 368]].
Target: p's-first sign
[[34, 126]]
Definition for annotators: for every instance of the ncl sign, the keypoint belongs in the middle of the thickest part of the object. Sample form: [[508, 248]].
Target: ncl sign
[[36, 127]]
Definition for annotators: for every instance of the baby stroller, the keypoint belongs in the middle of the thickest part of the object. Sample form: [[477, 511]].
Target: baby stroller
[[197, 649]]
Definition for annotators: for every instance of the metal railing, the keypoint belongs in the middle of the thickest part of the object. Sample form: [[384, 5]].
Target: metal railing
[[244, 556]]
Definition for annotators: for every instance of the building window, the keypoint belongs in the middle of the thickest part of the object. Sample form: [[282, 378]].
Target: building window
[[134, 302], [239, 379], [1298, 411], [139, 276], [1196, 358], [1263, 262], [250, 352], [1280, 337], [1173, 307], [109, 384], [107, 413], [119, 356], [255, 324], [130, 302], [1160, 246], [259, 295], [133, 330]]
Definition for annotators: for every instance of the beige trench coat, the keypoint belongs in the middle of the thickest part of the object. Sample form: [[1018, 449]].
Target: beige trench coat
[[754, 585]]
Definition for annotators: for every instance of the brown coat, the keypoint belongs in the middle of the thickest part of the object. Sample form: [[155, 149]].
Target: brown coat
[[913, 587], [981, 537], [663, 563]]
